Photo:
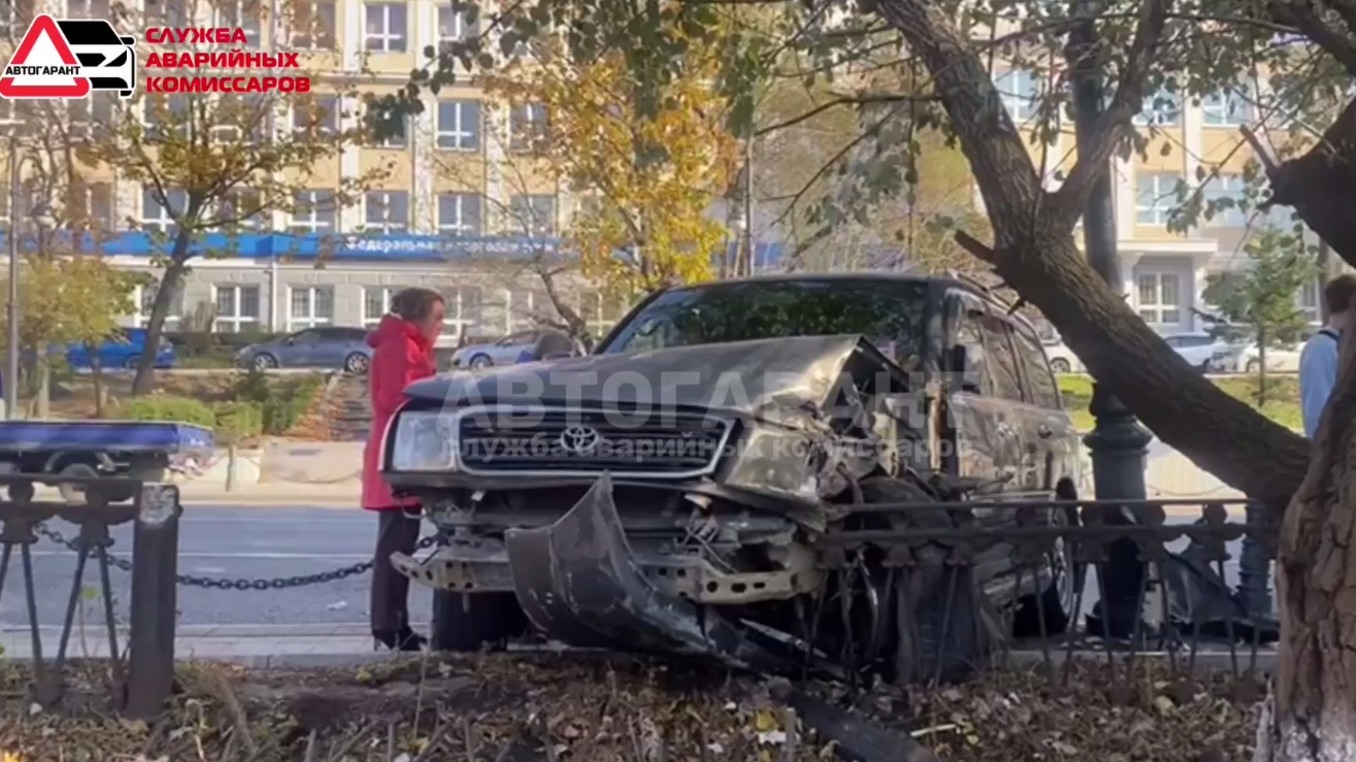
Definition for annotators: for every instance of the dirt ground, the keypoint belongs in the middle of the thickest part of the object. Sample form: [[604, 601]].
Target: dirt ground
[[606, 708]]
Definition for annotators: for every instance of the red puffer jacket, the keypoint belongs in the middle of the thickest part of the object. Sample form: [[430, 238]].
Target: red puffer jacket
[[401, 356]]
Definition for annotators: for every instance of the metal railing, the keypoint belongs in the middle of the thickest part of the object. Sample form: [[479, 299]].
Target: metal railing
[[939, 576], [142, 676]]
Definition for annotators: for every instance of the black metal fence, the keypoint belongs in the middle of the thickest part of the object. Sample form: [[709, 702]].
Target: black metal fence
[[141, 675], [936, 591]]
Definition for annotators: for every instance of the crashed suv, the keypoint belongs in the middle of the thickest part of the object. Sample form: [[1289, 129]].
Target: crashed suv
[[690, 486]]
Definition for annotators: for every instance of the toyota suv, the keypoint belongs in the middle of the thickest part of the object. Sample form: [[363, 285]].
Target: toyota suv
[[701, 482]]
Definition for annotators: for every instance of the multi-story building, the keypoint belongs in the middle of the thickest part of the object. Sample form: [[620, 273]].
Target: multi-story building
[[459, 203], [1193, 144]]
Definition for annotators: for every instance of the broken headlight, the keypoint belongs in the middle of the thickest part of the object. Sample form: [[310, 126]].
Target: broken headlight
[[423, 441]]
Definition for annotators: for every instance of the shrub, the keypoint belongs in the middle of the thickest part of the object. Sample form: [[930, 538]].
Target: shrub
[[284, 407], [253, 386], [238, 422], [172, 409]]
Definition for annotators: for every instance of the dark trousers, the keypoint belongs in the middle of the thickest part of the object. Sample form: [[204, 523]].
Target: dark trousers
[[397, 532], [1254, 567]]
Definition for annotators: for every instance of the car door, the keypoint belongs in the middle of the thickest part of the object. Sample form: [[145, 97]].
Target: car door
[[980, 412], [330, 348], [1055, 439], [299, 349]]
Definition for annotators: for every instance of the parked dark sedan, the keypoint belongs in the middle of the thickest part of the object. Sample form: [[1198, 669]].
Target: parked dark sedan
[[327, 347]]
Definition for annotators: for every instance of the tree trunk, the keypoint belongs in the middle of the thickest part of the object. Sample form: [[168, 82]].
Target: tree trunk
[[170, 283], [43, 402], [1311, 714], [1261, 367], [97, 375]]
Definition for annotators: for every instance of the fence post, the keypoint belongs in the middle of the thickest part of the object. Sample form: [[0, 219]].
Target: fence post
[[230, 468], [155, 554]]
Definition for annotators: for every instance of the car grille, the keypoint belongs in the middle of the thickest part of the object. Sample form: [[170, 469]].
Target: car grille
[[591, 442]]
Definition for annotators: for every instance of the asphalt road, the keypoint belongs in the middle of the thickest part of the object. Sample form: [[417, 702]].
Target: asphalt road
[[244, 542]]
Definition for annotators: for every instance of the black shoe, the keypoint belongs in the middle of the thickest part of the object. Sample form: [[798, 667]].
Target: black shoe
[[401, 640]]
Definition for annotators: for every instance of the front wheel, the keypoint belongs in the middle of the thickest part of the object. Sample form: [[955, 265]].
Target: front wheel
[[264, 361], [467, 622], [1060, 365], [480, 361]]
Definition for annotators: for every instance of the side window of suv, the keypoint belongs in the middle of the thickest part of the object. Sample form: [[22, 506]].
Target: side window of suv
[[970, 335], [1041, 387], [1002, 358]]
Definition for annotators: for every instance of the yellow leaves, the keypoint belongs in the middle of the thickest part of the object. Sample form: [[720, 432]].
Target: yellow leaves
[[653, 176], [71, 299]]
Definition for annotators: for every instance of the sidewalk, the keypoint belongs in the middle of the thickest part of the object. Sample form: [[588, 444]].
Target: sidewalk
[[257, 494], [256, 646]]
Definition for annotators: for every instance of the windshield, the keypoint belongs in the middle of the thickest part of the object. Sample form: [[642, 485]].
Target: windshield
[[888, 312]]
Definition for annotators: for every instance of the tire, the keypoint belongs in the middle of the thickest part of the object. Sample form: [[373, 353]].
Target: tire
[[1060, 365], [72, 494], [1056, 602], [356, 363], [929, 638], [480, 361], [464, 623], [264, 361], [1252, 367]]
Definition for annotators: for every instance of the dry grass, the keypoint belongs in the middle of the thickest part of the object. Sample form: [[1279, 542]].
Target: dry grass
[[606, 708]]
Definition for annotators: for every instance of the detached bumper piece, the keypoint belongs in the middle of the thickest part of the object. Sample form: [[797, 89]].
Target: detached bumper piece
[[579, 582]]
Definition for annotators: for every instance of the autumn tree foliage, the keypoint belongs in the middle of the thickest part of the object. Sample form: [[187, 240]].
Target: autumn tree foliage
[[223, 163], [645, 178]]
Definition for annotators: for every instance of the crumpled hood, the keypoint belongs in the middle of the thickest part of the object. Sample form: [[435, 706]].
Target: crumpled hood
[[748, 377], [391, 328]]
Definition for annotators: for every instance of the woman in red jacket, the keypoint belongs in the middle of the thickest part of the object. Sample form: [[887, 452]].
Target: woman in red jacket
[[402, 353]]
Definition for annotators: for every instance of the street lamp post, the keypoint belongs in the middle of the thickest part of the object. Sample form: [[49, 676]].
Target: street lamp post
[[11, 380]]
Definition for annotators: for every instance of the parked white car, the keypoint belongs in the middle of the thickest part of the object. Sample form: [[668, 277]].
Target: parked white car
[[1062, 359], [1247, 358], [1199, 349]]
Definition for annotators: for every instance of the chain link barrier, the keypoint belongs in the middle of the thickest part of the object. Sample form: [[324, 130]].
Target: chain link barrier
[[242, 583]]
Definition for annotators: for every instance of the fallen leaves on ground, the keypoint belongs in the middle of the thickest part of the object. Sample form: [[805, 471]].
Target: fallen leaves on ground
[[602, 708]]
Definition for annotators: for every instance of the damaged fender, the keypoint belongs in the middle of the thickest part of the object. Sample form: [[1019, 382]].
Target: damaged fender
[[578, 581]]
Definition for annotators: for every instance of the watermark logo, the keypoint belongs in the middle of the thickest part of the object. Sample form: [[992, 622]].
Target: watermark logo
[[68, 59], [218, 70]]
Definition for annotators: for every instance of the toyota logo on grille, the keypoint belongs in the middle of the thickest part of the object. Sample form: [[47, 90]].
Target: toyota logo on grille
[[580, 440]]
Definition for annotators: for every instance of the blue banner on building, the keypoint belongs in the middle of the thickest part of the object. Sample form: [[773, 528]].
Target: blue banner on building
[[338, 248]]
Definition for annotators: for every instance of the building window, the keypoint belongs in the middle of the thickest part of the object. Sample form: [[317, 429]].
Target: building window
[[462, 309], [87, 9], [386, 27], [15, 17], [172, 13], [600, 312], [167, 115], [377, 302], [156, 217], [316, 115], [241, 14], [309, 307], [237, 308], [91, 207], [241, 209], [1308, 301], [144, 298], [528, 125], [1162, 109], [1160, 298], [313, 212], [459, 214], [391, 133], [459, 125], [453, 28], [533, 215], [1216, 190], [239, 118], [387, 211], [89, 117], [313, 25], [1229, 108], [1020, 93], [1155, 197]]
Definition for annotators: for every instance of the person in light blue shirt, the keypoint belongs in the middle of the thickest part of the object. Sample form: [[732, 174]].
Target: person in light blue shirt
[[1318, 359]]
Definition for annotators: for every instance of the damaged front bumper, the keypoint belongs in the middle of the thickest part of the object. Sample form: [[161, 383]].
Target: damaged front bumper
[[579, 581]]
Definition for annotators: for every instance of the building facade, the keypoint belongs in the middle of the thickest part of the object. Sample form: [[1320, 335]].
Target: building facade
[[1193, 147]]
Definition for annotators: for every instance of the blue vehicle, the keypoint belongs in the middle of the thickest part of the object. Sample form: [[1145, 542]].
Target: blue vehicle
[[144, 450], [327, 347], [122, 350]]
